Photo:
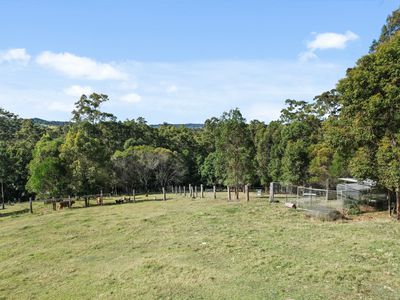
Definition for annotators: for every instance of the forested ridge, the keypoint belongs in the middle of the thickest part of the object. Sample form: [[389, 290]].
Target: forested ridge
[[351, 130]]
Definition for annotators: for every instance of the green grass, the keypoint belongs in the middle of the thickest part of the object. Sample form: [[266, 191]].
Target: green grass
[[202, 249]]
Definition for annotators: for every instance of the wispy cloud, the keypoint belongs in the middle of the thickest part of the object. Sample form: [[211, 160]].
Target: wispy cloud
[[60, 106], [18, 55], [78, 91], [327, 40], [173, 91], [171, 88], [131, 98], [79, 67]]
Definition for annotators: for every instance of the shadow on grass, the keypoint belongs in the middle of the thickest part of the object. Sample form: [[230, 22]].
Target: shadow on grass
[[136, 201], [13, 213], [108, 203]]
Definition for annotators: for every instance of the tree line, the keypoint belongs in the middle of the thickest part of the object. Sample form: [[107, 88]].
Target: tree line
[[351, 130]]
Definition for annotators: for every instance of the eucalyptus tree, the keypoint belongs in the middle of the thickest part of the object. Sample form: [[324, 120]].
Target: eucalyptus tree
[[170, 167], [388, 30], [301, 129], [86, 150], [370, 113], [234, 150]]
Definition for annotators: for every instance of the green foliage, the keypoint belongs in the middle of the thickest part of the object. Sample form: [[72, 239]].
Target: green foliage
[[388, 30], [294, 162], [9, 125], [327, 104], [362, 164], [370, 99], [46, 169], [353, 209], [388, 163], [5, 163], [87, 160], [348, 131], [87, 109], [208, 169], [320, 164], [139, 166], [234, 149]]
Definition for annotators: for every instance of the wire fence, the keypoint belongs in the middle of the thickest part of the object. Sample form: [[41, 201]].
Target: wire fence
[[344, 198], [305, 197]]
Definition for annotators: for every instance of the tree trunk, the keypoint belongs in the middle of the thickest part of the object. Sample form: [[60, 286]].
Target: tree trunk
[[2, 194], [398, 203]]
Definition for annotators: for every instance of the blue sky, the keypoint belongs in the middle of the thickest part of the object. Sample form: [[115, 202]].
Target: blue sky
[[179, 61]]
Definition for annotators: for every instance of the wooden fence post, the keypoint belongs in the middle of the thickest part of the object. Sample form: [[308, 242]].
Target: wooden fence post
[[229, 194], [54, 203], [30, 205], [215, 192], [398, 203], [201, 191], [69, 202], [184, 190], [246, 188], [271, 192]]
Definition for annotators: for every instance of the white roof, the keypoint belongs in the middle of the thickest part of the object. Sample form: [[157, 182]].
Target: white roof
[[352, 180], [367, 182]]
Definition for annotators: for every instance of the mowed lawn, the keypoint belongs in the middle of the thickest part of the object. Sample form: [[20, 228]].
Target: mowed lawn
[[195, 249]]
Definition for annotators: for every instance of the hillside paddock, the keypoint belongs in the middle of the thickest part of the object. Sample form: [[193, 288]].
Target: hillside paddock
[[201, 249]]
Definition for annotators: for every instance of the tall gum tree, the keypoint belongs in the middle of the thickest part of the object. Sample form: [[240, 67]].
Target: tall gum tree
[[370, 113]]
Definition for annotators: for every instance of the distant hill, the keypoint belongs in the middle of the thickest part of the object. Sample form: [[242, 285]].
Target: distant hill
[[187, 125], [49, 123], [62, 123]]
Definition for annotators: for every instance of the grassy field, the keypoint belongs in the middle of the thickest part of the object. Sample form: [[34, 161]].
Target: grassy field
[[202, 249]]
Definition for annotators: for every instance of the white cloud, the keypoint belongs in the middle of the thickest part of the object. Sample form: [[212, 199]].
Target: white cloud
[[171, 88], [263, 111], [131, 98], [205, 89], [79, 67], [77, 90], [306, 56], [60, 106], [126, 85], [18, 55], [327, 40], [331, 40]]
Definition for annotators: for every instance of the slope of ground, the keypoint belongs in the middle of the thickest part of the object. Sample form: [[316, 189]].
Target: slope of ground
[[202, 249]]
